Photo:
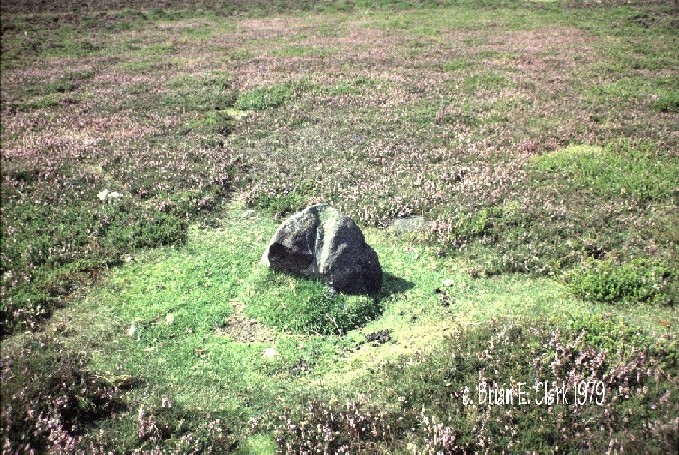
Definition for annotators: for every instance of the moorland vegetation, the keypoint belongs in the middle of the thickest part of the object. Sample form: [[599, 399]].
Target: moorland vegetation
[[536, 139]]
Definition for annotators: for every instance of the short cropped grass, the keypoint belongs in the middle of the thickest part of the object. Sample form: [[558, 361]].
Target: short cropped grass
[[305, 306], [612, 172], [264, 98]]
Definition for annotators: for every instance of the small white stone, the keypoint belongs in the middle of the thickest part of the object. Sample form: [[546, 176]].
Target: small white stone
[[103, 195], [270, 352]]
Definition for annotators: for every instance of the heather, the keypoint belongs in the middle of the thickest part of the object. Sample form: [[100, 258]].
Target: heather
[[496, 356], [148, 151]]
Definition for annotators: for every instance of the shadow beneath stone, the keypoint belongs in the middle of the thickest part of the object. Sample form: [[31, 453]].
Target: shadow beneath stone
[[392, 284]]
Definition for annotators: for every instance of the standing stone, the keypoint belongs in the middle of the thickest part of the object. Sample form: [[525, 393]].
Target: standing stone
[[320, 242]]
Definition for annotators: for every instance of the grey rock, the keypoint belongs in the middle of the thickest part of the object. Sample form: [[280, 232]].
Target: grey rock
[[320, 242]]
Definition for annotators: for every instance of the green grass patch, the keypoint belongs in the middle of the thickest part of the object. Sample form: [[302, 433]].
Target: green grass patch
[[216, 80], [44, 102], [148, 65], [72, 47], [458, 64], [356, 86], [633, 282], [613, 171], [306, 51], [643, 88], [199, 33], [211, 95], [218, 122], [305, 306], [280, 204], [258, 444], [262, 98], [154, 50], [486, 81], [640, 51], [667, 103]]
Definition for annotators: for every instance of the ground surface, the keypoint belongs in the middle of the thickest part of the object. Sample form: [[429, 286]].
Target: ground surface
[[514, 164]]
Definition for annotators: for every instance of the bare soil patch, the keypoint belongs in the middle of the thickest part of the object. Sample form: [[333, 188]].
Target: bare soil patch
[[240, 328]]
